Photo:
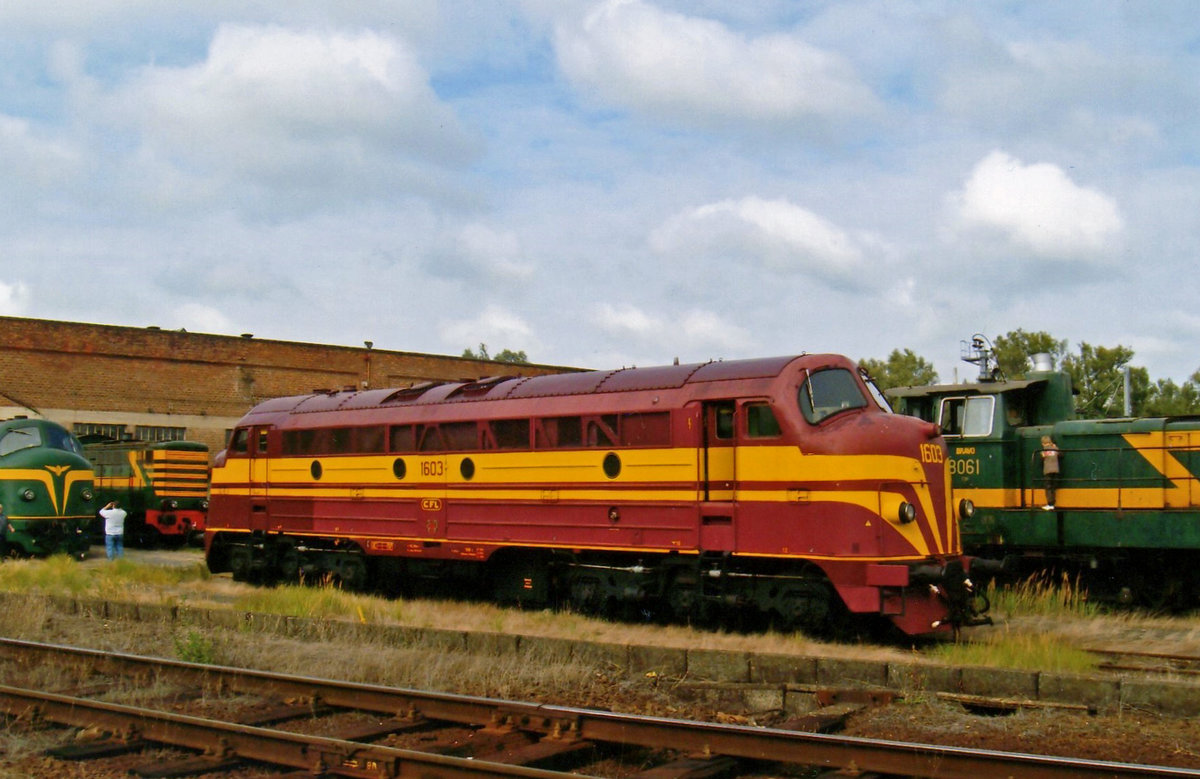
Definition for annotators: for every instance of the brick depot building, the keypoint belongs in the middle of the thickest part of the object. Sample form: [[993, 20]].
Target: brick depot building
[[158, 385]]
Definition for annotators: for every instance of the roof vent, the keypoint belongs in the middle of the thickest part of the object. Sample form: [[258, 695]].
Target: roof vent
[[1042, 363]]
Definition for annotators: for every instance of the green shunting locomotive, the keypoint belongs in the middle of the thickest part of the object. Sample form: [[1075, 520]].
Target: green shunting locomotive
[[1123, 514], [46, 489], [163, 485]]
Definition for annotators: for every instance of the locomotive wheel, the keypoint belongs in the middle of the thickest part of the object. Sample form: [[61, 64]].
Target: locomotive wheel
[[683, 596], [288, 563], [351, 572], [241, 563], [807, 607], [147, 537]]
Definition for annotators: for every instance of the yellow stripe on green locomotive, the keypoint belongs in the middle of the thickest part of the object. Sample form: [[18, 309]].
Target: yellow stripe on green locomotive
[[1121, 515]]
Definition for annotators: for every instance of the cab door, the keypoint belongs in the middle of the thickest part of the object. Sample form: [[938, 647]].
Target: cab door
[[718, 475], [259, 477]]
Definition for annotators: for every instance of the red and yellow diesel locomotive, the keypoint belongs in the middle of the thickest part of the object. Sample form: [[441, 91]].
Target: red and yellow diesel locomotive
[[783, 487]]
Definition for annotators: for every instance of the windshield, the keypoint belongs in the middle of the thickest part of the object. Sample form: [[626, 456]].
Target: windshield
[[34, 436], [829, 392], [876, 393], [20, 438]]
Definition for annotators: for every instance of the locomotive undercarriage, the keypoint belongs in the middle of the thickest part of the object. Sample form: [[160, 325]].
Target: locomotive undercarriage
[[1156, 579], [707, 589]]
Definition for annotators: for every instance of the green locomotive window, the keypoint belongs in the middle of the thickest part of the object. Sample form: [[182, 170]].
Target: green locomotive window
[[829, 392], [761, 421], [967, 417], [20, 438]]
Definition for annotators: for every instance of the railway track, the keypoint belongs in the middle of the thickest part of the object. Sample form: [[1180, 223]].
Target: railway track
[[1154, 663], [374, 731]]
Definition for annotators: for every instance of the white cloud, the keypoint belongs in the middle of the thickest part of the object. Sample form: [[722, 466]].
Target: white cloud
[[781, 235], [495, 326], [1037, 207], [689, 332], [201, 318], [28, 155], [14, 298], [291, 109], [498, 253], [694, 70], [625, 320]]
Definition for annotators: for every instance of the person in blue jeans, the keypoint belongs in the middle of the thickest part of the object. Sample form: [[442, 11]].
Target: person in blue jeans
[[114, 530]]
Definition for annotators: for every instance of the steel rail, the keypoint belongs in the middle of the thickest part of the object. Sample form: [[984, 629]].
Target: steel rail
[[775, 745], [319, 754]]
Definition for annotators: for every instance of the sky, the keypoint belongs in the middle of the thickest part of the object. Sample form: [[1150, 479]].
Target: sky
[[613, 183]]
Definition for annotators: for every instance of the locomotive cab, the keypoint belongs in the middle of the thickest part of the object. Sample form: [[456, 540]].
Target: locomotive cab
[[993, 431], [46, 489]]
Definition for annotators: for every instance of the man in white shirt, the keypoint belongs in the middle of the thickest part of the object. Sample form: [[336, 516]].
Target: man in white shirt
[[114, 530]]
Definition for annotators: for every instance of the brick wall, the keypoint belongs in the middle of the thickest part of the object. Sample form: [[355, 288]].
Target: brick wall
[[73, 372]]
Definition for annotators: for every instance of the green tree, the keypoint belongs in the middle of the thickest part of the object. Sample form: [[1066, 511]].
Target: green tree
[[1165, 398], [902, 369], [1013, 350], [1096, 373], [504, 355]]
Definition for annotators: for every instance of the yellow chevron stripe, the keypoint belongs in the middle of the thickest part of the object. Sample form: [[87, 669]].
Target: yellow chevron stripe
[[59, 491]]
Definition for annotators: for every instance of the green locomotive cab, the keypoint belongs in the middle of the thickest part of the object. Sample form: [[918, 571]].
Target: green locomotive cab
[[46, 489], [993, 432], [1123, 514]]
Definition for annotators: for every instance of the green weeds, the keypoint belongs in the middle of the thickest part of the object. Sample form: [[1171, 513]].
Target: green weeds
[[195, 648], [324, 601], [1029, 651], [1042, 596]]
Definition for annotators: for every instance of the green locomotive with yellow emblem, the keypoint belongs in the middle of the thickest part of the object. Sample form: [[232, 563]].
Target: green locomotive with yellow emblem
[[46, 490], [1121, 515]]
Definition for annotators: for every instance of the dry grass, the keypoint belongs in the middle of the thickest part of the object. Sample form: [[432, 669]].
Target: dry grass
[[1024, 614]]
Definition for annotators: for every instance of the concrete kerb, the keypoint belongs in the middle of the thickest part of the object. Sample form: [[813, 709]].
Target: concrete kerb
[[766, 673]]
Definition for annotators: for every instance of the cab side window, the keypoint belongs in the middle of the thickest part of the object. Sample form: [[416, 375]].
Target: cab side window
[[761, 421], [240, 443]]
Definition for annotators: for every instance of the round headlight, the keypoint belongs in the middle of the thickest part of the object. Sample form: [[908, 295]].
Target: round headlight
[[907, 513], [27, 494], [87, 494], [170, 505], [966, 508], [204, 505]]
